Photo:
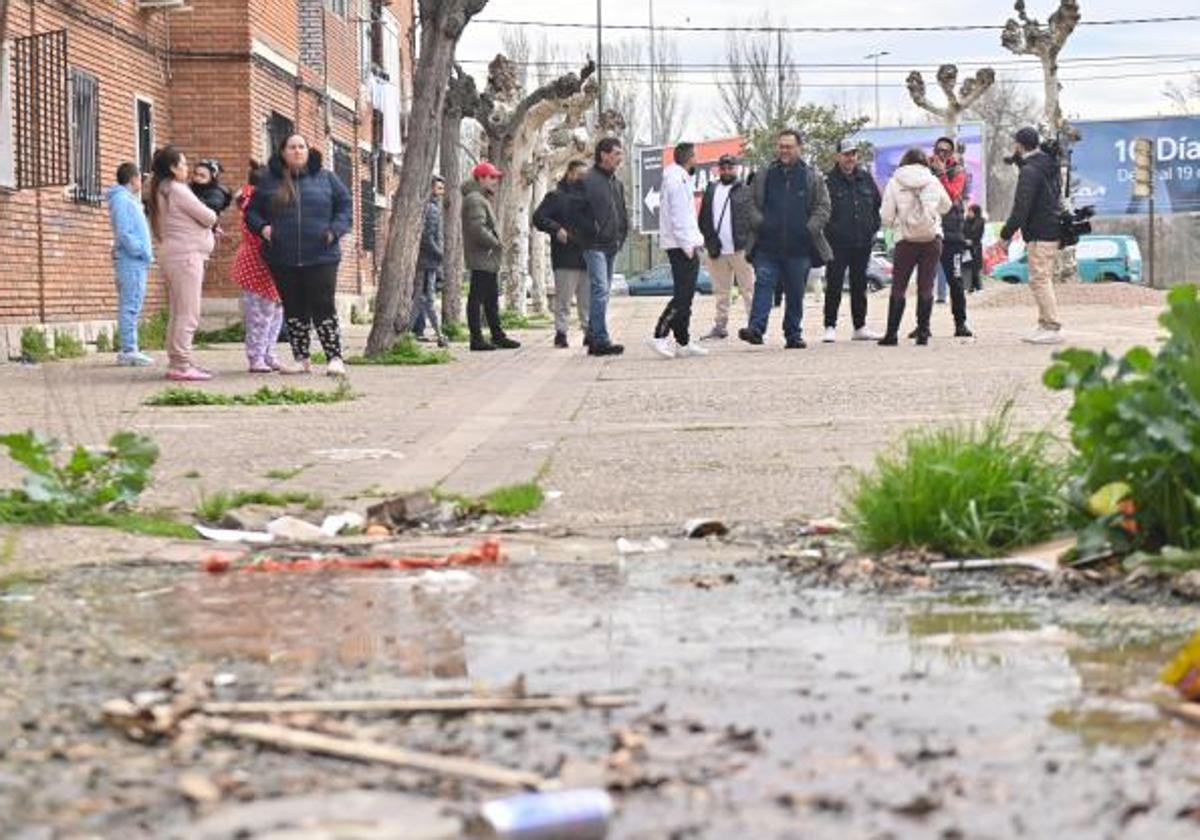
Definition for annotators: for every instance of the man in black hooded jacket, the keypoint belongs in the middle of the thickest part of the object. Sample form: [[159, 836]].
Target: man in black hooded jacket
[[563, 214]]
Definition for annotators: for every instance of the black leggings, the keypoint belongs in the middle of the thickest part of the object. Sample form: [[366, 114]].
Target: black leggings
[[308, 294], [952, 266], [677, 316], [485, 296]]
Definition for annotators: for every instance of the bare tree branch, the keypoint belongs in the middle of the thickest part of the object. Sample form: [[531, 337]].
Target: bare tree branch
[[737, 94], [1024, 35], [671, 111], [956, 101]]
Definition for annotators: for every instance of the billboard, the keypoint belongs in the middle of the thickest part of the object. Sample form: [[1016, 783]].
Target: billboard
[[890, 144], [650, 164], [1102, 165]]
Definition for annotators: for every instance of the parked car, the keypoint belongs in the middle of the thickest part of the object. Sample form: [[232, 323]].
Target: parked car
[[879, 275], [1101, 258], [620, 286], [657, 281]]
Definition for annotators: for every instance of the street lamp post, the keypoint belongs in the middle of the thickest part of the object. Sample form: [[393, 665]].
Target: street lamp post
[[599, 59], [876, 56]]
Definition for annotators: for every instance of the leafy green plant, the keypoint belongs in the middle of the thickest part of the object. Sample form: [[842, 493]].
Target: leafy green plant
[[1136, 420], [233, 333], [358, 317], [34, 346], [510, 319], [213, 507], [104, 343], [286, 474], [266, 395], [67, 346], [152, 332], [511, 500], [455, 331], [406, 351], [966, 490]]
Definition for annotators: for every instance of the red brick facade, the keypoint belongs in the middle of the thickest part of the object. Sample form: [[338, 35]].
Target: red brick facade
[[214, 77]]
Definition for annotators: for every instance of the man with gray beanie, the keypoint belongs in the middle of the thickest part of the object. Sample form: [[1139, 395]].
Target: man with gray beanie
[[1035, 212]]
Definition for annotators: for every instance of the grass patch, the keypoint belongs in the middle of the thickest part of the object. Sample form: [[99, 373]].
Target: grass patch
[[34, 346], [285, 474], [406, 351], [212, 508], [512, 500], [510, 319], [968, 490], [233, 333], [104, 343], [67, 346], [152, 332], [266, 395], [456, 332]]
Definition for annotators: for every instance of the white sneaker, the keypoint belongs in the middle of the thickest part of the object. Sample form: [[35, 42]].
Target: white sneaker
[[336, 367], [134, 359], [1044, 337], [866, 334], [690, 349], [830, 335], [664, 346]]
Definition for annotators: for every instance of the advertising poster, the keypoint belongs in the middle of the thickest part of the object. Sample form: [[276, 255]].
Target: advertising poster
[[890, 144], [1102, 165]]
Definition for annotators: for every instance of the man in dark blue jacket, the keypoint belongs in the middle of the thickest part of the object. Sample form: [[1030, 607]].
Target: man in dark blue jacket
[[793, 203], [429, 265]]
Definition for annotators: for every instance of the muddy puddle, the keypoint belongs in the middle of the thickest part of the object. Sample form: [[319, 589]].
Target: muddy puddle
[[767, 710]]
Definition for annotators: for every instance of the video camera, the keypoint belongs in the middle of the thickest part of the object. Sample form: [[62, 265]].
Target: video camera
[[1072, 225]]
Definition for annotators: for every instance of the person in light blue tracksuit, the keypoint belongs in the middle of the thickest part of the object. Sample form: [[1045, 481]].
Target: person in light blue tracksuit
[[132, 255]]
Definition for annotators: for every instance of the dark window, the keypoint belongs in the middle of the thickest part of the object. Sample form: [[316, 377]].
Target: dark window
[[85, 137], [377, 35], [378, 158], [43, 128], [338, 7], [145, 134], [366, 194], [343, 165], [279, 129]]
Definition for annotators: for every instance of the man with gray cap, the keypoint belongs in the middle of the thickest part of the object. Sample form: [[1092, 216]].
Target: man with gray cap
[[1035, 212], [854, 221], [727, 220]]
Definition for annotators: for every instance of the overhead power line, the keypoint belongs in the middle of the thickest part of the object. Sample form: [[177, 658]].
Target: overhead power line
[[868, 85], [962, 27]]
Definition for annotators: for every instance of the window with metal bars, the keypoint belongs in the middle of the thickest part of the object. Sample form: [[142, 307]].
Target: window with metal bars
[[279, 129], [366, 196], [145, 134], [41, 103], [343, 165], [85, 137]]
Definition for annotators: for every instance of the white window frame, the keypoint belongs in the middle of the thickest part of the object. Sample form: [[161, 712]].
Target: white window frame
[[341, 8], [8, 139], [140, 99]]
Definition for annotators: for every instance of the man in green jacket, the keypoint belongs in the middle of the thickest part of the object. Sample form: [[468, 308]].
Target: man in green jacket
[[481, 252]]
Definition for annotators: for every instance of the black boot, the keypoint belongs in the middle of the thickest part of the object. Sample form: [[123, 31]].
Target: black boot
[[924, 311], [895, 316]]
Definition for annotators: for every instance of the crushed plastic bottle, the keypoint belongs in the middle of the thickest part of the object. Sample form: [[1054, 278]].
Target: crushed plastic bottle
[[582, 814]]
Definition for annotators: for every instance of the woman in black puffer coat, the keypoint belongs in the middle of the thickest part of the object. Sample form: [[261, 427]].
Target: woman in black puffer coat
[[302, 211]]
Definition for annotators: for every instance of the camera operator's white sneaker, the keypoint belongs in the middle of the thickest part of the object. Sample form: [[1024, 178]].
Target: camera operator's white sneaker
[[830, 335], [1044, 337], [866, 334], [690, 349], [664, 346]]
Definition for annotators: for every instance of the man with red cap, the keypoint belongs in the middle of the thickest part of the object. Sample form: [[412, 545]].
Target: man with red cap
[[481, 253]]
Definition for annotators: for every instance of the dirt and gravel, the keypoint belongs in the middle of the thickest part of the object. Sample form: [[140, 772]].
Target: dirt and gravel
[[784, 687]]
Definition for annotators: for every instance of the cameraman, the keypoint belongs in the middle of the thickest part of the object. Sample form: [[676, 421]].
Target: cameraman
[[1035, 212]]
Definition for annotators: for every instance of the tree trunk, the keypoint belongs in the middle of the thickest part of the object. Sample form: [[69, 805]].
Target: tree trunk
[[442, 24], [540, 272], [452, 302]]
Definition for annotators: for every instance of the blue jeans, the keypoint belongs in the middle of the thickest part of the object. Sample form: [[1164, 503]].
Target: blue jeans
[[600, 273], [131, 294], [943, 285], [770, 271]]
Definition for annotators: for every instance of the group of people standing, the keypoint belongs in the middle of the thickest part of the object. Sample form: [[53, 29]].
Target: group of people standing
[[294, 213]]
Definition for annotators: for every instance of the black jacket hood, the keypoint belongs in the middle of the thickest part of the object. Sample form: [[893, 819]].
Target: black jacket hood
[[315, 161]]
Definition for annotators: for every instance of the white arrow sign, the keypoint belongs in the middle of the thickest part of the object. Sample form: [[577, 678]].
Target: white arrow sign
[[652, 200]]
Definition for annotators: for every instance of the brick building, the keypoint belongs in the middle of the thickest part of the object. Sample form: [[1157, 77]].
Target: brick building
[[87, 84]]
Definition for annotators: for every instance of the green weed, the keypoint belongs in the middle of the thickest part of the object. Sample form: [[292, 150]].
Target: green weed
[[287, 395], [406, 351], [509, 501], [67, 346], [510, 319], [152, 332], [212, 508], [967, 490], [34, 346], [233, 333], [285, 474], [104, 343], [455, 331]]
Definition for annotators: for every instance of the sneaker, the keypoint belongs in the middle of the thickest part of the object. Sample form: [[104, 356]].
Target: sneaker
[[336, 367], [866, 334], [134, 359], [1044, 337], [891, 340], [664, 346], [690, 349], [298, 369], [560, 340], [482, 346], [503, 342], [963, 331], [609, 349], [830, 335], [715, 334], [795, 342], [750, 335], [274, 363], [189, 375], [442, 342], [261, 367]]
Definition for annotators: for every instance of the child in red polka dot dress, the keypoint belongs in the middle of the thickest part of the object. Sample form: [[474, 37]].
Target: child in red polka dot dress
[[261, 305]]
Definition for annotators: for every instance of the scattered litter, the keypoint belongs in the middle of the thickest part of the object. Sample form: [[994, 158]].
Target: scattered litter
[[447, 580], [224, 680], [1043, 557], [349, 455], [1183, 673], [822, 527], [710, 581], [486, 553], [295, 530], [559, 815], [339, 522], [700, 528], [402, 511], [540, 446], [17, 599], [377, 530], [553, 495], [650, 546], [230, 536]]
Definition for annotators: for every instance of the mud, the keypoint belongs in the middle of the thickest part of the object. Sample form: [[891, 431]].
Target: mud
[[768, 706]]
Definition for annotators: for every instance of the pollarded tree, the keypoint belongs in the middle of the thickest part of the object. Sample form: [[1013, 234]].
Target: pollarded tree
[[442, 25], [1024, 35], [957, 102]]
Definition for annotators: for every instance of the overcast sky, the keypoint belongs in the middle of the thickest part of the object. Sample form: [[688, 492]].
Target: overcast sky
[[1137, 91]]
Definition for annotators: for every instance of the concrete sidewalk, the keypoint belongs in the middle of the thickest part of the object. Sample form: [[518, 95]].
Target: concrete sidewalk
[[631, 443]]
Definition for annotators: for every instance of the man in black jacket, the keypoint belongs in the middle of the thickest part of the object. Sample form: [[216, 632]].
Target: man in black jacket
[[602, 238], [952, 173], [1035, 212], [561, 214], [853, 223], [727, 221]]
